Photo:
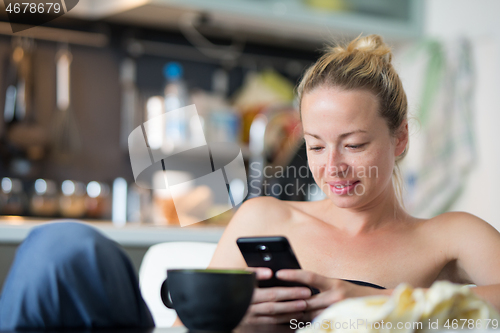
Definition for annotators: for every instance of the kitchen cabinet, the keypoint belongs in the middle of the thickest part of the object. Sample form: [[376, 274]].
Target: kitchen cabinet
[[291, 20]]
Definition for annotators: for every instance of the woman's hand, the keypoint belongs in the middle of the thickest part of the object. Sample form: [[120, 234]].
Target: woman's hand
[[276, 305], [331, 290]]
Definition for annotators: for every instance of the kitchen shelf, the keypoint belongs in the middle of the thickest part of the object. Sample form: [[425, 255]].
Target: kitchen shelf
[[292, 20]]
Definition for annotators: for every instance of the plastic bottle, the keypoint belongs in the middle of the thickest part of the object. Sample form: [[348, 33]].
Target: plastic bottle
[[224, 120], [176, 96]]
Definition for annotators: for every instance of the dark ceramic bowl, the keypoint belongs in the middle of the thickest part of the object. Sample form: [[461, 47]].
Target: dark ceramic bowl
[[208, 299]]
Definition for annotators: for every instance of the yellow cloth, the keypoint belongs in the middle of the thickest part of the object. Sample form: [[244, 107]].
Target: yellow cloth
[[443, 306]]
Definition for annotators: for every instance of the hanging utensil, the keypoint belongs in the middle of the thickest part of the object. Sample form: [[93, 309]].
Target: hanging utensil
[[130, 97], [19, 92], [66, 139], [13, 83], [25, 138], [9, 92]]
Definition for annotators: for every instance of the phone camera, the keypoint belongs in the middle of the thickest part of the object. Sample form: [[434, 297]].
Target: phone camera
[[262, 248], [267, 257]]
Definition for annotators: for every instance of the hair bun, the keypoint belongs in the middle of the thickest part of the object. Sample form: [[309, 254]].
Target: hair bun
[[371, 44]]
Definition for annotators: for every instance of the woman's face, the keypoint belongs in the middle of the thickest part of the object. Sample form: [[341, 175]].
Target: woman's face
[[350, 150]]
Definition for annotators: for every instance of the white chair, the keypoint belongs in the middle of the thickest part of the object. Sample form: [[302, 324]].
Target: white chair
[[154, 267]]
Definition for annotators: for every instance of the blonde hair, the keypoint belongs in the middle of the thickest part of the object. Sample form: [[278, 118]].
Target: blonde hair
[[364, 63]]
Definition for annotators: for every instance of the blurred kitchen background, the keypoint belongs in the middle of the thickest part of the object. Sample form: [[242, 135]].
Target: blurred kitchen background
[[73, 89]]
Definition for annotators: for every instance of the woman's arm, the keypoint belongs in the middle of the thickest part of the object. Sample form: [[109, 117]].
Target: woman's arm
[[260, 217], [476, 245], [227, 254], [246, 221], [256, 217], [489, 293]]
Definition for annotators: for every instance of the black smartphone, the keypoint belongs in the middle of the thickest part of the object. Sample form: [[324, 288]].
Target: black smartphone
[[273, 252]]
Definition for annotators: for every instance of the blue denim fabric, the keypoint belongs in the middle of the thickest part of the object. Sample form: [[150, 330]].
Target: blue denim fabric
[[68, 275]]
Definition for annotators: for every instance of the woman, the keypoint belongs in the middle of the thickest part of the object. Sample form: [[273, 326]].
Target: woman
[[354, 117]]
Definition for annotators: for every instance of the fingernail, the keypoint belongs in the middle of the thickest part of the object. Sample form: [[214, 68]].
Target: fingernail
[[305, 293], [280, 274]]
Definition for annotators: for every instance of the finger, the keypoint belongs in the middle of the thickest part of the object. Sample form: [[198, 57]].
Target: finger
[[329, 297], [277, 294], [277, 308], [321, 300], [306, 277], [339, 291], [263, 273], [277, 319]]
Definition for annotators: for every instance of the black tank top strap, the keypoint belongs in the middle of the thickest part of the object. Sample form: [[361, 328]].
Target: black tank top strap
[[364, 284]]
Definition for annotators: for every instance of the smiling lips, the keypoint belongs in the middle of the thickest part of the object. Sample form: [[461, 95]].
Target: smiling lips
[[343, 187]]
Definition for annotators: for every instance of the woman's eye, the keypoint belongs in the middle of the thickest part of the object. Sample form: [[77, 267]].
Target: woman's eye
[[356, 146], [315, 148]]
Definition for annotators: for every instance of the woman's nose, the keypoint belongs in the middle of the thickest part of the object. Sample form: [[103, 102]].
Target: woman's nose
[[336, 164]]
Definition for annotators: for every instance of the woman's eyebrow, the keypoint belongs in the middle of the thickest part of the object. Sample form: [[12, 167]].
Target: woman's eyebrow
[[350, 133], [340, 136], [313, 135]]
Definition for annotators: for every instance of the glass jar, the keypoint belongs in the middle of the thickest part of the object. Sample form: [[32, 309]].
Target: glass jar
[[98, 203], [44, 200], [12, 197], [72, 199]]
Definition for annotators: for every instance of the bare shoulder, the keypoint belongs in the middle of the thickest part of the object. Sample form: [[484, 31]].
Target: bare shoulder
[[259, 216], [456, 229], [473, 246], [461, 224], [267, 215]]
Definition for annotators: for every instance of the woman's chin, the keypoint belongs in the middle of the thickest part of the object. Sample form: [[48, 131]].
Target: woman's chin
[[346, 201]]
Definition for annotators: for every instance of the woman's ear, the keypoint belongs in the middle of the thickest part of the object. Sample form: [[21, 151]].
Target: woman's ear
[[401, 138]]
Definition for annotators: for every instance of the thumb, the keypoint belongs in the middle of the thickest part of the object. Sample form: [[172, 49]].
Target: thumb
[[263, 273]]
